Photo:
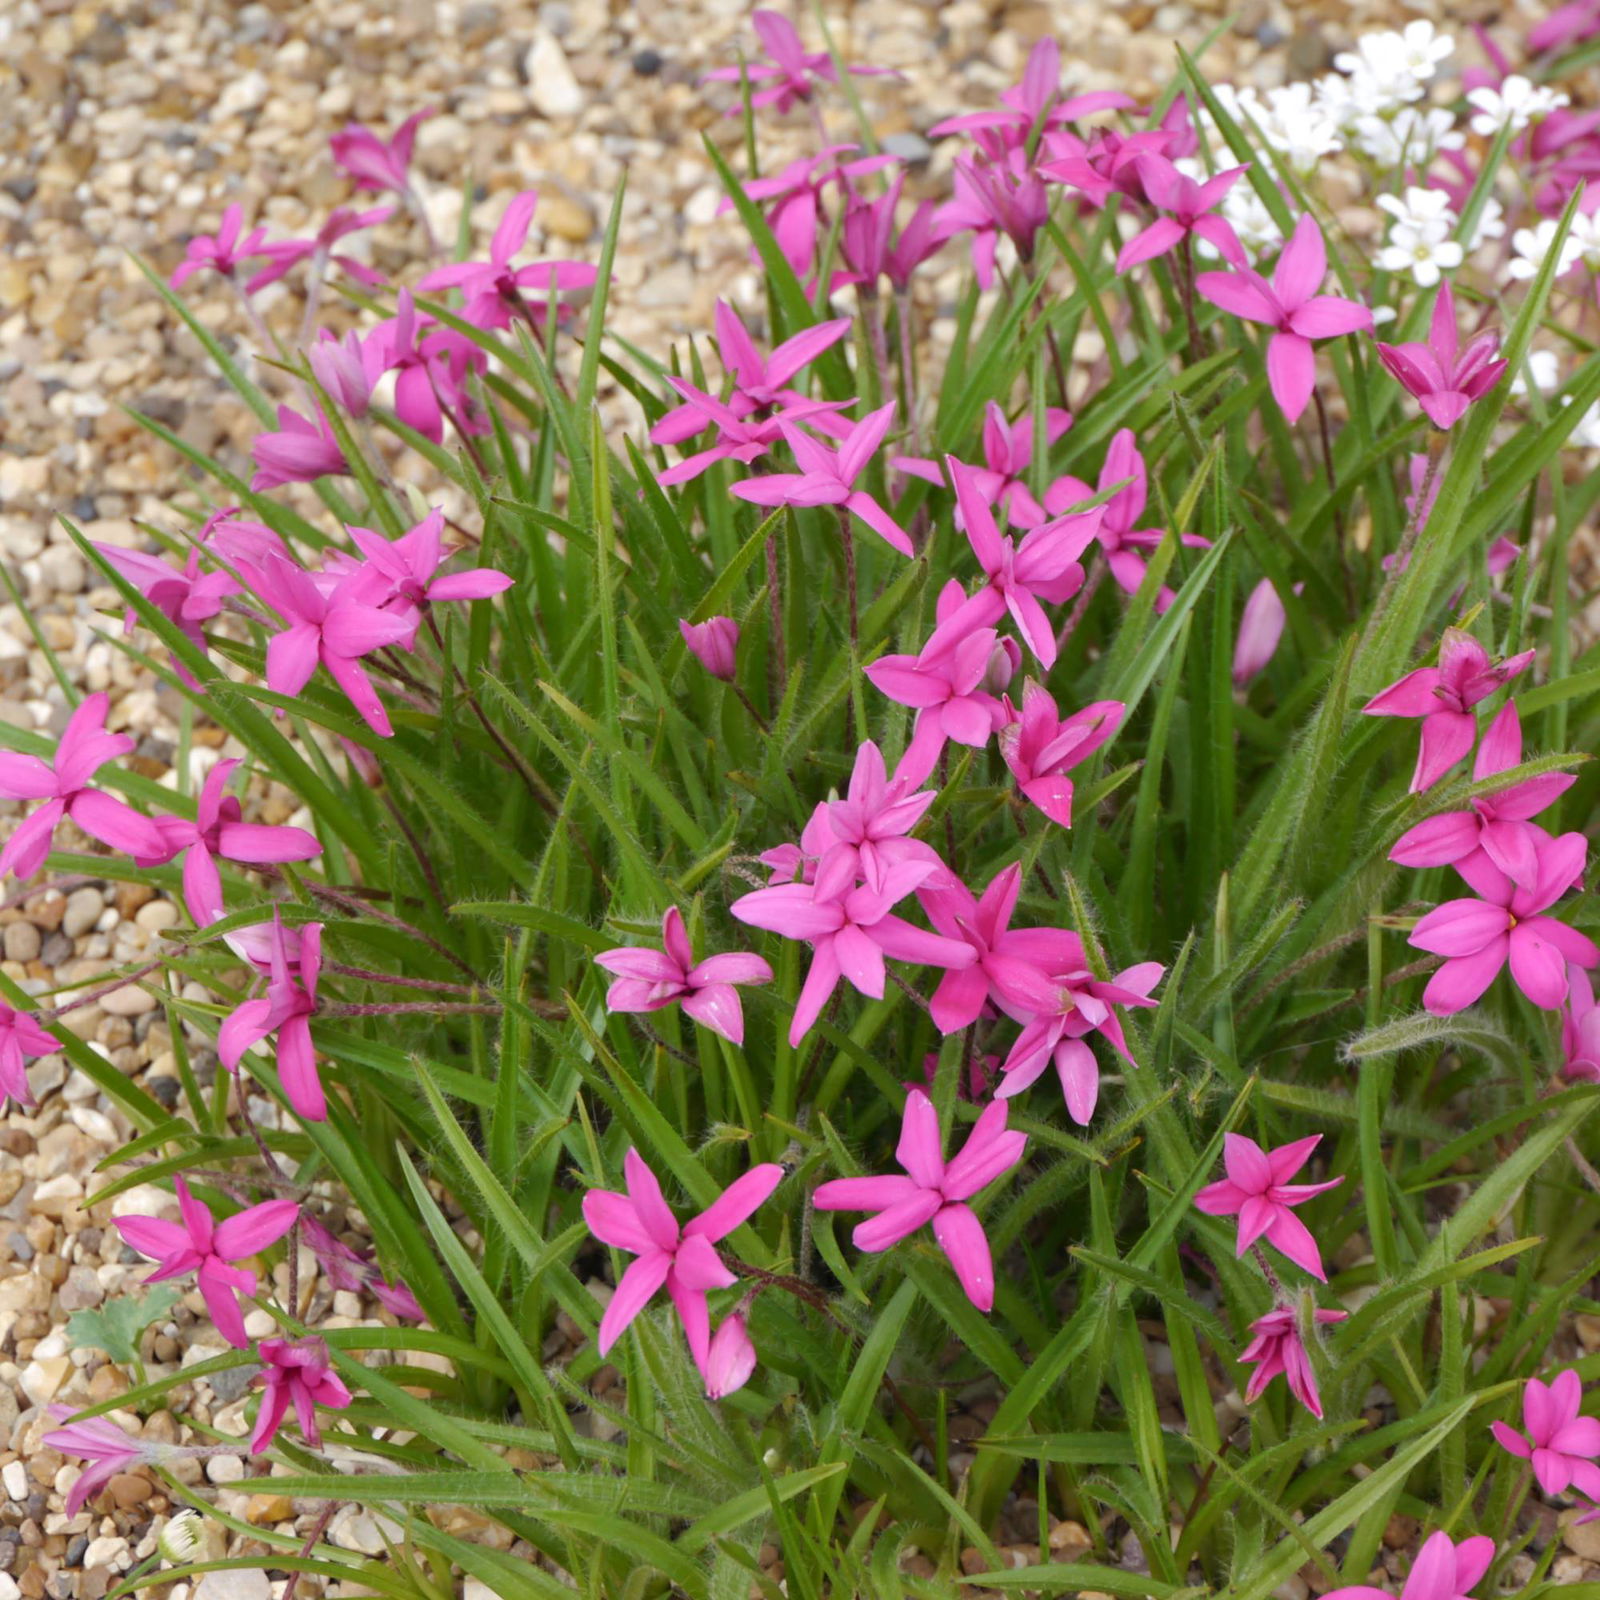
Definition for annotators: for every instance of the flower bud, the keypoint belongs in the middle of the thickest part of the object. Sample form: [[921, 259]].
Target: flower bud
[[181, 1540], [1004, 660], [1260, 629], [730, 1360], [713, 643]]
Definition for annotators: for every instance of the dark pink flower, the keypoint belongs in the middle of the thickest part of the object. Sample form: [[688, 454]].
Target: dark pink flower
[[1019, 574], [934, 1190], [1443, 1570], [714, 643], [374, 163], [218, 831], [210, 1249], [1560, 1442], [681, 1258], [21, 1036], [1041, 746], [285, 254], [1443, 696], [1495, 823], [955, 691], [827, 476], [494, 290], [1007, 455], [62, 784], [299, 452], [1478, 937], [791, 74], [185, 596], [850, 929], [1278, 1350], [220, 252], [1257, 1191], [349, 1270], [1036, 102], [1189, 208], [1291, 306], [994, 197], [297, 1372], [647, 979], [1443, 378], [347, 368], [795, 193], [287, 1009], [869, 245]]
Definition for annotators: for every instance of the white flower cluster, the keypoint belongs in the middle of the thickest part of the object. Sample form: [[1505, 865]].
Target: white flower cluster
[[1419, 236], [1530, 247], [1376, 98], [1515, 104]]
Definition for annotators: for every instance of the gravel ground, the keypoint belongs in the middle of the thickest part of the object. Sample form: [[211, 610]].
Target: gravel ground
[[126, 127]]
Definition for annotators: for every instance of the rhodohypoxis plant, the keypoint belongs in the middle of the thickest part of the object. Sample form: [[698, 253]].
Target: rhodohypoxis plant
[[1443, 1570], [294, 962], [934, 1191], [297, 1373], [1559, 1442], [1257, 1191], [1277, 1349], [21, 1037], [1442, 377], [211, 1250], [682, 1259], [791, 74]]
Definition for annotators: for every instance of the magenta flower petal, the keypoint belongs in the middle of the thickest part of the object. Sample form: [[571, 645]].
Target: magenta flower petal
[[960, 1235]]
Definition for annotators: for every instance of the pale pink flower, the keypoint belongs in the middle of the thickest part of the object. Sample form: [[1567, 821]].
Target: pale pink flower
[[220, 252], [108, 1449], [299, 452], [1260, 628], [1560, 1442], [1580, 1030], [934, 1191], [1443, 1570], [791, 74], [1257, 1191], [730, 1358], [374, 163]]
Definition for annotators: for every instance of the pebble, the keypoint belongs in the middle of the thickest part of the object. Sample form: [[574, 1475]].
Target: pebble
[[554, 91], [22, 941], [15, 1478], [131, 1000], [82, 912], [237, 1583]]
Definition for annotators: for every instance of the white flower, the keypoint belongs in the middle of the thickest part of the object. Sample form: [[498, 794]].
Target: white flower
[[1531, 245], [1410, 138], [1419, 238], [1586, 433], [180, 1540], [1545, 366], [1517, 102], [1585, 238], [1383, 314], [1389, 69], [1296, 126], [1491, 223]]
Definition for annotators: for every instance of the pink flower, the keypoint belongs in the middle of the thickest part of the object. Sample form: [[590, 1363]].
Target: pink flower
[[1279, 1350], [994, 197], [400, 576], [209, 1249], [21, 1036], [868, 244], [186, 597], [1580, 1030], [791, 72], [934, 1191], [1559, 1442], [952, 691], [647, 980], [62, 784], [713, 643], [827, 477], [1442, 1571], [743, 434], [1260, 628], [287, 1009], [1565, 26], [1040, 746], [1257, 1191], [1007, 454], [1495, 823], [348, 1269], [108, 1449], [371, 162], [1063, 1005], [494, 289], [298, 452], [347, 368], [680, 1258], [850, 929], [1443, 378], [333, 626], [1190, 208], [1035, 102], [285, 254], [1443, 696], [297, 1371], [1119, 538], [1478, 937], [1043, 565], [221, 252], [218, 831], [796, 193], [730, 1359], [1292, 308], [870, 828]]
